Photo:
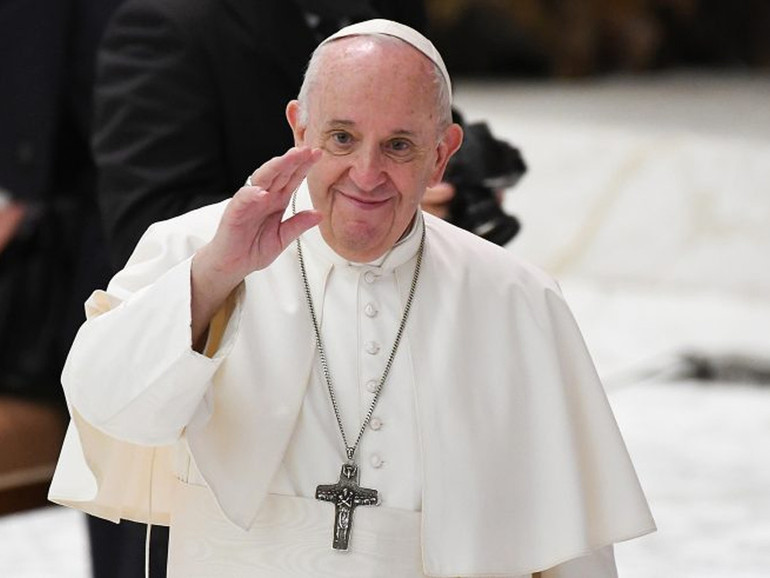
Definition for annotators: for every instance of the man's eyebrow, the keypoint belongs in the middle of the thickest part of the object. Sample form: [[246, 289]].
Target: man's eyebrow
[[403, 132], [339, 122]]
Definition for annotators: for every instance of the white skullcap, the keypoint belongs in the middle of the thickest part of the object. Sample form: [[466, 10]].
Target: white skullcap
[[405, 33]]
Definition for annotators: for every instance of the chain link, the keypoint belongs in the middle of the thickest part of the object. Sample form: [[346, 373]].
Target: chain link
[[351, 450]]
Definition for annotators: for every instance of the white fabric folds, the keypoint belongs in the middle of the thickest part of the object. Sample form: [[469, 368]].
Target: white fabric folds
[[523, 464]]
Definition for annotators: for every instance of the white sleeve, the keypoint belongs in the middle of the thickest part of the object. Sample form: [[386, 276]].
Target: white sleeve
[[598, 564], [132, 372]]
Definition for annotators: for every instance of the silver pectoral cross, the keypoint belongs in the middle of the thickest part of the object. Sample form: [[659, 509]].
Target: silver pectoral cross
[[346, 495]]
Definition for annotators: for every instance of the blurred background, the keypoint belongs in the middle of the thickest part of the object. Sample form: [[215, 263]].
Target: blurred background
[[645, 128], [645, 125]]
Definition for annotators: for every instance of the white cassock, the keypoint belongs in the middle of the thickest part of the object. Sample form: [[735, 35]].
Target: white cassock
[[493, 446]]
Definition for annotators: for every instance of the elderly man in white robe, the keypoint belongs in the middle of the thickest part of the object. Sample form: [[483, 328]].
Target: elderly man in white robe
[[315, 378]]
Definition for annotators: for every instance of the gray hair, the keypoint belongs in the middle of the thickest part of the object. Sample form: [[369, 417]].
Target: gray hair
[[443, 98]]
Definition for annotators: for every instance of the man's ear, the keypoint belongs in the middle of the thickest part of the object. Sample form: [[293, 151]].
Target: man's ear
[[292, 115], [450, 142]]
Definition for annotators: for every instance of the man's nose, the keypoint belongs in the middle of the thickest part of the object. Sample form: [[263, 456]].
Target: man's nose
[[368, 170]]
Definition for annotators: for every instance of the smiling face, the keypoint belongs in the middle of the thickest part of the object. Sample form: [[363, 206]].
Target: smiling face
[[372, 111]]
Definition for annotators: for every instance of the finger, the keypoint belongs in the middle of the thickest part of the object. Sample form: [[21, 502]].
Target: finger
[[265, 175], [294, 226], [244, 202], [288, 181], [250, 206], [276, 172], [255, 203], [295, 179]]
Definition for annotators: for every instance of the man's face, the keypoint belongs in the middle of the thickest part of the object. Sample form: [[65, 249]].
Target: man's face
[[373, 114]]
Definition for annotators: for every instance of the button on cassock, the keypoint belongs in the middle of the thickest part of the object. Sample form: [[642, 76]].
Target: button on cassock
[[372, 347], [376, 461], [371, 310], [375, 423], [370, 276]]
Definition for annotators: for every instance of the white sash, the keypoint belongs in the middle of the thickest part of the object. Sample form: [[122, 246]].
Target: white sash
[[291, 538]]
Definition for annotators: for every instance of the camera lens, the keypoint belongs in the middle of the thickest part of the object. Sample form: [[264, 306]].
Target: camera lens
[[476, 209]]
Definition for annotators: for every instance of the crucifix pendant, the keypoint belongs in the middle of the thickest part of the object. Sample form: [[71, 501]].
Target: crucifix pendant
[[346, 495]]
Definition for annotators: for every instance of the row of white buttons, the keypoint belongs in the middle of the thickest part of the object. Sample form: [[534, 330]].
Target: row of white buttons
[[373, 348]]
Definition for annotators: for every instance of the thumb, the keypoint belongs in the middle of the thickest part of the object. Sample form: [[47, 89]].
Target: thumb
[[297, 224]]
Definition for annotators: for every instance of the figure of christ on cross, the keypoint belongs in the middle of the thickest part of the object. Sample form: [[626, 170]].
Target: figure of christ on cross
[[346, 495]]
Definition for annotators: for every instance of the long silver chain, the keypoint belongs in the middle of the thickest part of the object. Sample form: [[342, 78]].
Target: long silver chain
[[351, 450]]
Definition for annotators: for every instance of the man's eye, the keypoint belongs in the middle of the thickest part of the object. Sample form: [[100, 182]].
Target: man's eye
[[339, 142], [341, 138], [400, 146]]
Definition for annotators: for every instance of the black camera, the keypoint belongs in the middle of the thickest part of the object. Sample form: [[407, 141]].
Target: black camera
[[479, 171]]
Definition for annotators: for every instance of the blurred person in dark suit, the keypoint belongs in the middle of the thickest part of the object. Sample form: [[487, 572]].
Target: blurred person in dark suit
[[52, 248]]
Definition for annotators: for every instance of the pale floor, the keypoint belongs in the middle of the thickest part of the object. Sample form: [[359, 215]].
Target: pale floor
[[613, 205]]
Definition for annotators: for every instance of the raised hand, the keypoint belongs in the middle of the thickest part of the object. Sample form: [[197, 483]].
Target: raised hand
[[251, 233]]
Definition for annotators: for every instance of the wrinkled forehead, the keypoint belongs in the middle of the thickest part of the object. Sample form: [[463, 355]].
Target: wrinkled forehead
[[374, 78]]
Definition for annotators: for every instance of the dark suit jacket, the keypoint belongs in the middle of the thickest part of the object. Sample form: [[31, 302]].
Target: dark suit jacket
[[191, 97], [48, 52]]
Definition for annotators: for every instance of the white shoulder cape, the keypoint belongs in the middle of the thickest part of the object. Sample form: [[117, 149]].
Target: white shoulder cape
[[523, 464]]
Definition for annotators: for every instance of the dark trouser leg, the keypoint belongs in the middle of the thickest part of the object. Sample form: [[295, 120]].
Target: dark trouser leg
[[117, 550]]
